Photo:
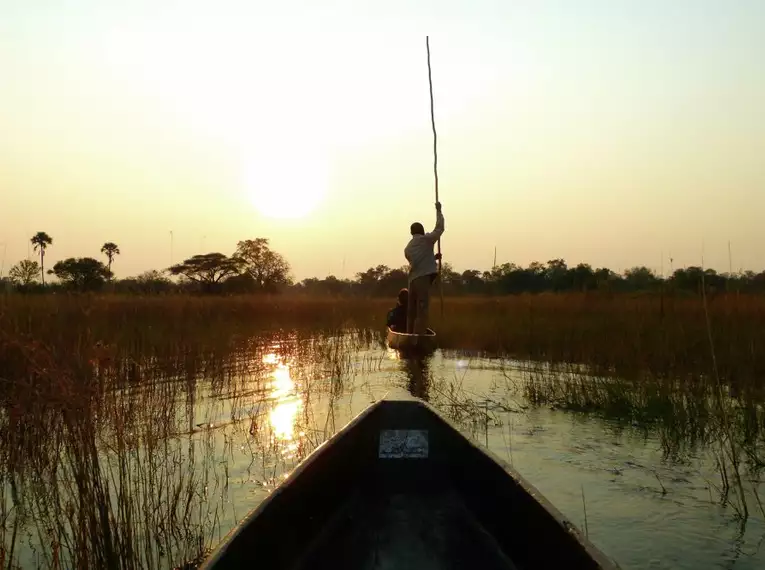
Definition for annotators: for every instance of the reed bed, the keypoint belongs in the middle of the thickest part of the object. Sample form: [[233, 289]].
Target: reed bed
[[107, 461], [628, 334]]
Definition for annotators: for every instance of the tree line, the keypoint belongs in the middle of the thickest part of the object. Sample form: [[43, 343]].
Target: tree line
[[254, 267], [553, 276]]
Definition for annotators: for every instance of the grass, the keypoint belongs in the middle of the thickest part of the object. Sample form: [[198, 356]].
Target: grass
[[621, 333], [110, 462], [103, 462], [627, 335]]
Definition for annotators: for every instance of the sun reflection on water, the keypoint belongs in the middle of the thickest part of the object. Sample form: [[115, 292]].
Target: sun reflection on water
[[283, 393], [392, 354]]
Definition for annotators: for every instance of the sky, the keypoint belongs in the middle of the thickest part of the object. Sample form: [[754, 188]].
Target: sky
[[617, 133]]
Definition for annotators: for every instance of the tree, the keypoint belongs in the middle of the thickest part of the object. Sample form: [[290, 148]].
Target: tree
[[605, 278], [207, 269], [81, 273], [692, 278], [335, 286], [148, 282], [24, 273], [640, 278], [583, 277], [557, 275], [152, 277], [372, 275], [41, 241], [331, 285], [688, 279], [472, 282], [448, 275], [373, 280], [267, 268], [110, 249]]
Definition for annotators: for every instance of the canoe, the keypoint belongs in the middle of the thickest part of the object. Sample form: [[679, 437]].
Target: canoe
[[406, 341], [400, 487]]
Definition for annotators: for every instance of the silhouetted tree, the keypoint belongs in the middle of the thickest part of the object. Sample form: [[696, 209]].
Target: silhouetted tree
[[267, 270], [509, 278], [207, 269], [331, 285], [24, 273], [370, 280], [450, 279], [472, 282], [688, 279], [254, 266], [81, 273], [149, 282], [583, 277], [335, 286], [640, 279], [110, 249], [557, 275], [41, 241]]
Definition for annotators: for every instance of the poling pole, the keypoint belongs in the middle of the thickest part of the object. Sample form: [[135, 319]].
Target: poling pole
[[435, 164]]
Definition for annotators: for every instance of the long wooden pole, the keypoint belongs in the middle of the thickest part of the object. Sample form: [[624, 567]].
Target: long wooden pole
[[435, 165]]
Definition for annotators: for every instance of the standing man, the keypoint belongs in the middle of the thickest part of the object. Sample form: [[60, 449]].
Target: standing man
[[423, 270]]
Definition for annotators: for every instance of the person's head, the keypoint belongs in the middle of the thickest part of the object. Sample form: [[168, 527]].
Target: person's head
[[417, 229], [403, 296]]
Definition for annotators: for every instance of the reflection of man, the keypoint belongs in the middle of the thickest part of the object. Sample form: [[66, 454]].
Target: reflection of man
[[423, 270], [417, 371]]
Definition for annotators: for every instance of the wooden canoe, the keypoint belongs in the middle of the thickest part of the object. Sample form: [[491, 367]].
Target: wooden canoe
[[400, 487], [405, 341]]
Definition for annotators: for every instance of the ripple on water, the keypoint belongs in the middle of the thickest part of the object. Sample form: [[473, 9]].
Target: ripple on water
[[642, 510]]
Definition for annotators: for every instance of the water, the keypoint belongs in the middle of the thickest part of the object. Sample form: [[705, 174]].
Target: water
[[231, 435]]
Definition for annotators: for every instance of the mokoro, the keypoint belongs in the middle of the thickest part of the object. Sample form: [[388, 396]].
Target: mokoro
[[400, 487], [405, 341]]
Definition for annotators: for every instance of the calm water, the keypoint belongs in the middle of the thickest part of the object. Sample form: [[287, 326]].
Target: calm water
[[233, 433]]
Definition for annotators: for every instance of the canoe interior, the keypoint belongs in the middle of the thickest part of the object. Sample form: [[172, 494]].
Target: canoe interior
[[361, 502]]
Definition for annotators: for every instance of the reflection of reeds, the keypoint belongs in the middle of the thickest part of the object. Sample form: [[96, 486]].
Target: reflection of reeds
[[685, 414], [99, 480], [729, 447]]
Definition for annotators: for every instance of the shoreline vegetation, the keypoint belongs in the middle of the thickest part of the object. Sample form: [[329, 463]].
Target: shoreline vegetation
[[85, 473], [254, 267], [627, 334]]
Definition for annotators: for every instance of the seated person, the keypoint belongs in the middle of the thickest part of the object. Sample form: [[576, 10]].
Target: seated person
[[397, 315]]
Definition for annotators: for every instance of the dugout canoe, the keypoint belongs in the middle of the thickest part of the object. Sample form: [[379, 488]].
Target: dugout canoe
[[400, 487], [406, 341]]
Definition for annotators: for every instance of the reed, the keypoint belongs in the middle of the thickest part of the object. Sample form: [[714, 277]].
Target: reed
[[106, 458], [107, 461], [627, 334]]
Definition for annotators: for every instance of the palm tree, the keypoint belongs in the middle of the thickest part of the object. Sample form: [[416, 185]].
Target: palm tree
[[41, 241], [110, 249]]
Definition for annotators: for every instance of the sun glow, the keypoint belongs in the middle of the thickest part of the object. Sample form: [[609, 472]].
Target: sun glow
[[286, 187], [283, 416]]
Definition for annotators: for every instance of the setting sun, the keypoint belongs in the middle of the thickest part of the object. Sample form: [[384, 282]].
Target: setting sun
[[286, 187]]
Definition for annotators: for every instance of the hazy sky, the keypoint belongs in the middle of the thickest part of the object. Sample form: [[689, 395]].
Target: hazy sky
[[607, 131]]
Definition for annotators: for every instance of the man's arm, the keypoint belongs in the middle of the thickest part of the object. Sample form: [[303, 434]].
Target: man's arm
[[439, 229]]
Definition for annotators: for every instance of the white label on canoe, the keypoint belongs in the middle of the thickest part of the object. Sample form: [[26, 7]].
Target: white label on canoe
[[403, 443]]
